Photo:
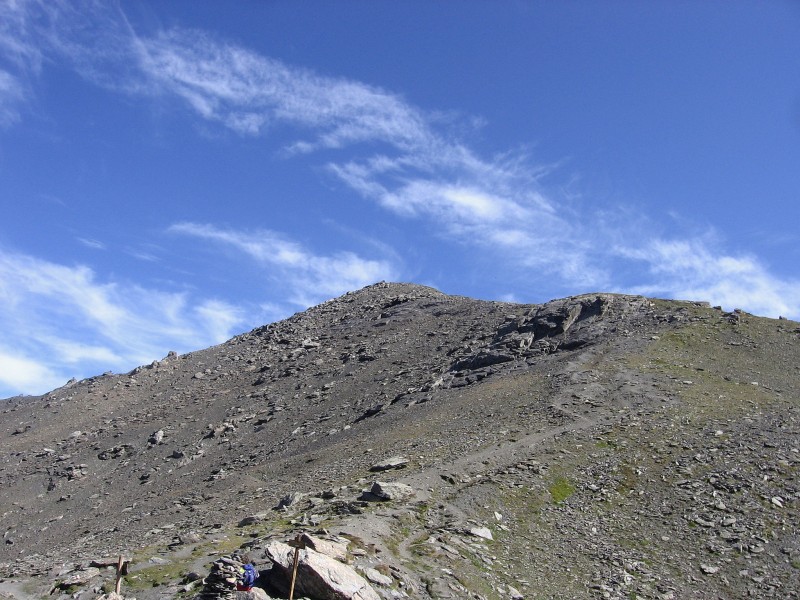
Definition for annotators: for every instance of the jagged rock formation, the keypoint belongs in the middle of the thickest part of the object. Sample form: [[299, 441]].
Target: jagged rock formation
[[596, 446]]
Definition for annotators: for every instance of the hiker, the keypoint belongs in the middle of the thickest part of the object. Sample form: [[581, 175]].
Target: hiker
[[247, 574]]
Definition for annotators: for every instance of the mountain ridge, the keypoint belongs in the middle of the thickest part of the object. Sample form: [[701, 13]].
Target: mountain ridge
[[466, 391]]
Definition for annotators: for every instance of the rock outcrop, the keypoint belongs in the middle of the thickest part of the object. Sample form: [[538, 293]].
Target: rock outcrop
[[318, 576]]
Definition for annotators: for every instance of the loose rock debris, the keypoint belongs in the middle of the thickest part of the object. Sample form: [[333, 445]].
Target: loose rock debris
[[631, 446]]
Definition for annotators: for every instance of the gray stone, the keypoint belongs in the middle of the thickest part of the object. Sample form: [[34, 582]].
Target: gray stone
[[330, 548], [81, 577], [396, 462], [481, 532], [394, 491], [290, 500], [376, 576], [252, 519], [318, 576]]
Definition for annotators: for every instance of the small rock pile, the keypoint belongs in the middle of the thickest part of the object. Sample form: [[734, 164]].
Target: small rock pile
[[220, 584]]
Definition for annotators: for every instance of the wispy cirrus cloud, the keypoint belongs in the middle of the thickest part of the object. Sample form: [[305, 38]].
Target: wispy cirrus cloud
[[25, 28], [401, 157], [11, 96], [251, 93], [18, 33], [421, 171], [18, 56], [19, 374], [308, 278], [694, 269], [91, 243], [48, 311], [408, 163]]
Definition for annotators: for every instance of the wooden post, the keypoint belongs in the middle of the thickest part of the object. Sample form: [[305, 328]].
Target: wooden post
[[296, 543], [118, 584]]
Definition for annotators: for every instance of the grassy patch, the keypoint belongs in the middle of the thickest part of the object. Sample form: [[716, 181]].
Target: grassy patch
[[709, 364], [155, 576], [356, 543], [561, 489], [474, 580], [145, 576]]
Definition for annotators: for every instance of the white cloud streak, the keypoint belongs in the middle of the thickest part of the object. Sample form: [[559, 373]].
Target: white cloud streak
[[48, 311], [250, 93], [23, 375], [17, 38], [93, 244], [695, 270], [18, 57], [308, 278], [11, 96], [423, 174]]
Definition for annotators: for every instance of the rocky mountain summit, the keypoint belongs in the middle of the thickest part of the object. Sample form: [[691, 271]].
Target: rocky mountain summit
[[429, 446]]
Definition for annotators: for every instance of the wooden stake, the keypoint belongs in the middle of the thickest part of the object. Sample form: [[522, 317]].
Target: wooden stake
[[297, 543], [118, 584]]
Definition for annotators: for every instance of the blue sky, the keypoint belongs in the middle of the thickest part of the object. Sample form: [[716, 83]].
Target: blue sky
[[175, 173]]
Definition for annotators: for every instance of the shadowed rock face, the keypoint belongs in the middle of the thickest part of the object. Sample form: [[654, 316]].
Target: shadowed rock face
[[610, 444]]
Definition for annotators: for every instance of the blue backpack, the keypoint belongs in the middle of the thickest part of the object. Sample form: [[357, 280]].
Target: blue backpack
[[249, 575]]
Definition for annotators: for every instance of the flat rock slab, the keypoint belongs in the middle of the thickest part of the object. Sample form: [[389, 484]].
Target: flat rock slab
[[392, 491], [81, 577], [396, 462], [481, 532], [335, 550]]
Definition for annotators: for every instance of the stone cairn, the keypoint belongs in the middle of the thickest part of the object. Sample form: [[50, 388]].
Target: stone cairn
[[220, 583]]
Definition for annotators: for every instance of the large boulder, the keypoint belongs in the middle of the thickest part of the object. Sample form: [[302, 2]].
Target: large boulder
[[330, 548], [398, 492], [79, 577], [318, 576]]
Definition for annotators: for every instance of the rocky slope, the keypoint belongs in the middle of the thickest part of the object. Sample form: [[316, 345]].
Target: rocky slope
[[601, 446]]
